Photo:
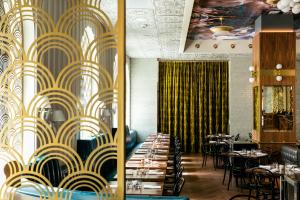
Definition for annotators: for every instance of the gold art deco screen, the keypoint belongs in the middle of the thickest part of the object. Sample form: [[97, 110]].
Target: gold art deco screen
[[61, 98]]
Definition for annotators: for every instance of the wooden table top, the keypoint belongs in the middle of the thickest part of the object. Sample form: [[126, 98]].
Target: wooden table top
[[248, 154], [153, 165], [160, 136], [158, 152], [164, 142], [157, 175], [149, 175], [152, 175], [150, 146], [148, 188], [139, 157]]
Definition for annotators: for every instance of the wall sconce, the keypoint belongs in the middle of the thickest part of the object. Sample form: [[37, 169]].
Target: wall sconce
[[253, 74], [278, 78], [279, 66], [277, 73]]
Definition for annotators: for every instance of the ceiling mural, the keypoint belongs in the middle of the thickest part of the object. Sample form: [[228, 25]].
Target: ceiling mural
[[230, 19]]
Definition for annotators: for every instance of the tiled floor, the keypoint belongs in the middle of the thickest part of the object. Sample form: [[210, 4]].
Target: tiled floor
[[204, 183]]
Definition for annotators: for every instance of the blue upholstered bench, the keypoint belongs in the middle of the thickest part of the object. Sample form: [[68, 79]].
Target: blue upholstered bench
[[156, 197], [84, 195]]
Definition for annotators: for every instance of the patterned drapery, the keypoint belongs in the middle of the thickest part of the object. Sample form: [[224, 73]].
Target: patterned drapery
[[193, 100]]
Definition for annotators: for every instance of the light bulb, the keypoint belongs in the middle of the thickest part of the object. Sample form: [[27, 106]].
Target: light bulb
[[278, 78], [251, 79], [251, 68], [279, 66]]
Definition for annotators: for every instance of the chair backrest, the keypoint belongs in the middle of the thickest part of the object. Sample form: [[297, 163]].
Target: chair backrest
[[237, 159], [53, 172], [275, 156], [237, 137], [262, 177], [178, 186], [250, 135], [290, 155]]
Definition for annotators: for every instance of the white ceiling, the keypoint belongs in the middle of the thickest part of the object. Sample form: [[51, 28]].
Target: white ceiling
[[158, 29], [153, 27]]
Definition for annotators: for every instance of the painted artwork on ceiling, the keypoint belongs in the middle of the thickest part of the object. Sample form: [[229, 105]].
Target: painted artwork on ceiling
[[237, 17]]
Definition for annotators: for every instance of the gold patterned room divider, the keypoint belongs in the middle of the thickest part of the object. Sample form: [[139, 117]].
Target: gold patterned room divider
[[62, 81]]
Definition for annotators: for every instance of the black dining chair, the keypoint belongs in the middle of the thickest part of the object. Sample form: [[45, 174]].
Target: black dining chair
[[265, 184], [237, 168], [205, 153]]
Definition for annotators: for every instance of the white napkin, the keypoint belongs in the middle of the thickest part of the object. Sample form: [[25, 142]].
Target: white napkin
[[268, 167], [274, 170], [161, 150], [260, 154], [297, 169], [158, 156], [129, 172], [155, 173], [152, 186], [237, 151], [113, 186]]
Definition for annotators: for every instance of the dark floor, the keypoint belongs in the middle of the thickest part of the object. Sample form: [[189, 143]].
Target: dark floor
[[205, 183]]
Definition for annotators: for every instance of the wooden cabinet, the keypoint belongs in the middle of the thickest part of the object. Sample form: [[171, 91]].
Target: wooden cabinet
[[274, 101]]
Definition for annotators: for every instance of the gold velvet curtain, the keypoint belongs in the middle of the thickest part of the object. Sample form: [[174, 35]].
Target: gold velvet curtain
[[193, 100]]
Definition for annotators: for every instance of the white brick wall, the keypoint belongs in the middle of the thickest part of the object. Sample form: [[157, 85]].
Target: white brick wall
[[298, 99], [144, 78], [240, 96]]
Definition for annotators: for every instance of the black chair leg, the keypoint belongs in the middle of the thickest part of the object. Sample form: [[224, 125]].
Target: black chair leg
[[236, 181], [204, 160], [230, 177], [250, 191], [225, 170]]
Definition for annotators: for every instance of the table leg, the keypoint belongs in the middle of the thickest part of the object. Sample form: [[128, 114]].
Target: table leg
[[281, 185], [296, 189]]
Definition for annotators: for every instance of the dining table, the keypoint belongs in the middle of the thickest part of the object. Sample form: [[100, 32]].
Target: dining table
[[134, 187], [156, 152], [155, 157], [146, 168], [156, 175], [255, 154], [132, 164]]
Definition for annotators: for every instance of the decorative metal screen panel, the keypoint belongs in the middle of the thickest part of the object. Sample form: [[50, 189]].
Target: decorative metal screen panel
[[60, 93]]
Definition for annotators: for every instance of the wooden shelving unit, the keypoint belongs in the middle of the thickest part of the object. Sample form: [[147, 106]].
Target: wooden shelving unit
[[269, 49]]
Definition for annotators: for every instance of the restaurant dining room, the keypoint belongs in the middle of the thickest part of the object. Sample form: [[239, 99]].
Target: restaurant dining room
[[149, 99]]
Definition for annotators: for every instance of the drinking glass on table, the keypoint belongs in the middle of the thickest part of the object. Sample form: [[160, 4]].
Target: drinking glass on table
[[129, 184], [244, 151], [139, 184], [135, 172], [142, 162], [275, 165]]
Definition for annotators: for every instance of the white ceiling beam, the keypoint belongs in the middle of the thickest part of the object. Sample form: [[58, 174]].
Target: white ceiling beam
[[188, 10]]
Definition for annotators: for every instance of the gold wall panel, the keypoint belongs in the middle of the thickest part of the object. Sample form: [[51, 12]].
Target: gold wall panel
[[52, 68]]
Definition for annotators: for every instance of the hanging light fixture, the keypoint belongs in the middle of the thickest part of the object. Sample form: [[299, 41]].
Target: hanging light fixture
[[278, 78], [278, 73], [253, 74], [221, 30], [289, 5]]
